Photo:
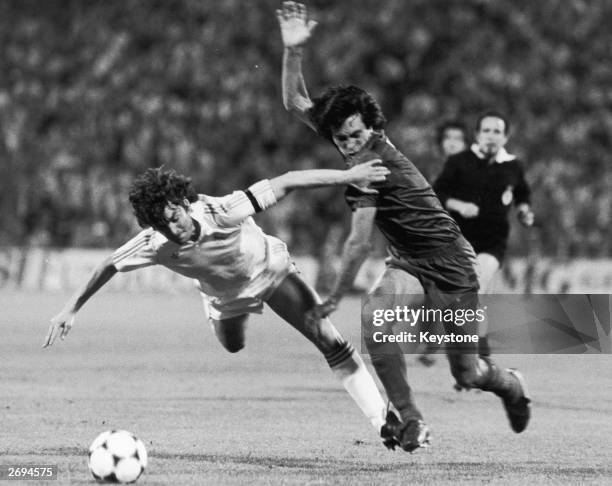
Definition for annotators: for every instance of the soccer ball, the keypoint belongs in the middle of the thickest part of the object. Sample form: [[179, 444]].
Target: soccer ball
[[117, 456]]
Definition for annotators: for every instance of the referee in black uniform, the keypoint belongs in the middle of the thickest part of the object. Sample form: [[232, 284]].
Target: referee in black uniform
[[478, 187]]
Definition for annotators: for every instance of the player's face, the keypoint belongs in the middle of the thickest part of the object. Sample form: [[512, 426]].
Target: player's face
[[352, 135], [180, 227], [491, 135], [453, 141]]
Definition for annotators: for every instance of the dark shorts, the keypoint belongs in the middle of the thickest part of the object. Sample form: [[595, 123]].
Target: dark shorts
[[443, 279], [448, 270]]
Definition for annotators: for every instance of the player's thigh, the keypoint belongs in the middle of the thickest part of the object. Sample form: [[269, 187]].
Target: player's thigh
[[292, 300], [395, 287], [486, 267], [230, 331]]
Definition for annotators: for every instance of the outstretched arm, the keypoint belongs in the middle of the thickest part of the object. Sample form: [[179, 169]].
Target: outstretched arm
[[241, 204], [360, 175], [63, 322], [295, 32]]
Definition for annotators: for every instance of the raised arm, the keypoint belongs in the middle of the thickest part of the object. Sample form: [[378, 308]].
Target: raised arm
[[63, 322], [295, 32]]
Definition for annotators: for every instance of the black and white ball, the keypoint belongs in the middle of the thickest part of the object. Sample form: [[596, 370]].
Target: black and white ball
[[117, 456]]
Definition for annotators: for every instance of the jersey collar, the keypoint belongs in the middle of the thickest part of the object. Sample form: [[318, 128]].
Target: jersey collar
[[500, 157]]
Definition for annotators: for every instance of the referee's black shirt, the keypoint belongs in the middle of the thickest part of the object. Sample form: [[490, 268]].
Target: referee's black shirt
[[493, 186]]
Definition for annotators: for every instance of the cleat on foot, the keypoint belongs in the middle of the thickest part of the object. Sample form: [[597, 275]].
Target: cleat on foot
[[392, 423], [409, 436], [518, 409]]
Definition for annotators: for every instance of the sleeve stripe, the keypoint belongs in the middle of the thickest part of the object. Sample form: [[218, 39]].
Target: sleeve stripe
[[253, 200], [127, 251]]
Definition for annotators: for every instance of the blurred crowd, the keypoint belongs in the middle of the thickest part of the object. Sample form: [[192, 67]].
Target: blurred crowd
[[94, 92]]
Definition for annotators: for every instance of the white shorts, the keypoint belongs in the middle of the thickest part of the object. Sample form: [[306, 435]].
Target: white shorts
[[249, 299]]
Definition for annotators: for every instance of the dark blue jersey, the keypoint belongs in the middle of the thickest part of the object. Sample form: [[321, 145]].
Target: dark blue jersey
[[409, 214]]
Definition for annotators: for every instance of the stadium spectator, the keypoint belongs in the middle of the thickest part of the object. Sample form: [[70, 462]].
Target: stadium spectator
[[452, 138]]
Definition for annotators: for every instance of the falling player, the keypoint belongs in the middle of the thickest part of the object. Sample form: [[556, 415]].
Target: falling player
[[237, 267]]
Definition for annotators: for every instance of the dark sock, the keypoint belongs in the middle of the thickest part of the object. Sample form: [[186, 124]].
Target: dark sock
[[500, 381], [483, 347], [391, 370]]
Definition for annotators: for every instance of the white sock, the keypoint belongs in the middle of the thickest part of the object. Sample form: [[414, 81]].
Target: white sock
[[350, 369]]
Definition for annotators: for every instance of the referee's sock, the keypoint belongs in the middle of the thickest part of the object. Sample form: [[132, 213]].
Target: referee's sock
[[350, 369]]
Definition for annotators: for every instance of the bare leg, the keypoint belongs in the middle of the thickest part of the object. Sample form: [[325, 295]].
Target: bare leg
[[391, 366], [292, 300], [230, 332]]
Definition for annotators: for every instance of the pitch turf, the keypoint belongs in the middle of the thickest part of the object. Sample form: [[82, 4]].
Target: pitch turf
[[273, 413]]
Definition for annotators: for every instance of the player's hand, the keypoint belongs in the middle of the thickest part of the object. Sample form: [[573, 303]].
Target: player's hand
[[362, 175], [294, 26], [468, 210], [526, 217], [321, 311], [60, 326]]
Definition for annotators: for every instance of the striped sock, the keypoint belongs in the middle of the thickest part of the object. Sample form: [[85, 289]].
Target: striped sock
[[350, 369]]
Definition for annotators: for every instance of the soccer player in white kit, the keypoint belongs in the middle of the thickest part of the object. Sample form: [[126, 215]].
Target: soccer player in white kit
[[236, 265]]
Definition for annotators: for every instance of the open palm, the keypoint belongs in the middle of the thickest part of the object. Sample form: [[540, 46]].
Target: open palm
[[295, 28]]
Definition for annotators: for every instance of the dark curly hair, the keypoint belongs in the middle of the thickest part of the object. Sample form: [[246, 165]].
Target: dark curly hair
[[152, 190], [337, 103]]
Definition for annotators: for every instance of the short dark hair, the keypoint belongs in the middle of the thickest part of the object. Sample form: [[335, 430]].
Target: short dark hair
[[152, 190], [451, 125], [337, 103], [493, 114]]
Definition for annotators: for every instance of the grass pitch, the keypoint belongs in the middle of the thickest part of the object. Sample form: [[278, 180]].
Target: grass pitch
[[273, 413]]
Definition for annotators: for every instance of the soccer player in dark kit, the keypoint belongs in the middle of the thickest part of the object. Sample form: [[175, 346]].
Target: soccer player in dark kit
[[429, 258]]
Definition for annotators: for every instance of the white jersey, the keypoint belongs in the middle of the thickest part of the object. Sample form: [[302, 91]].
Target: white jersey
[[230, 251]]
